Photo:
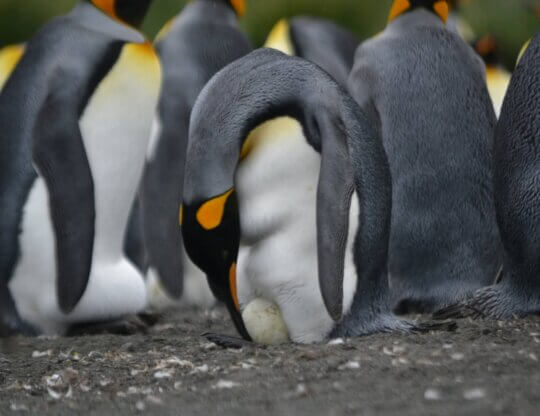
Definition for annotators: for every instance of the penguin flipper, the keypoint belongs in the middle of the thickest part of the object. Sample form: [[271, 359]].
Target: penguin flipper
[[59, 155], [334, 195]]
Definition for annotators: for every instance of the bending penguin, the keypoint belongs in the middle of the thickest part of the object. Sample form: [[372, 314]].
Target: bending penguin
[[298, 224], [425, 89], [517, 199], [195, 45], [497, 77], [75, 117]]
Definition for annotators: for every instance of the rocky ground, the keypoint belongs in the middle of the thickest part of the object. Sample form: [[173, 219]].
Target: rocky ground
[[482, 368]]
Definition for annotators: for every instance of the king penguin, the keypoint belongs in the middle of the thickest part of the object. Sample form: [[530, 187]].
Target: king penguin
[[299, 222], [193, 46], [424, 87], [517, 199], [75, 118], [497, 77]]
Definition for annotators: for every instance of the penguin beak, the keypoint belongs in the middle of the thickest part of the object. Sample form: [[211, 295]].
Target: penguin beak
[[211, 231]]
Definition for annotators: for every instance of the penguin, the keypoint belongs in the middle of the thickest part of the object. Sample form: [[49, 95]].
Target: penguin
[[517, 200], [9, 58], [424, 88], [193, 46], [497, 77], [294, 226], [75, 120]]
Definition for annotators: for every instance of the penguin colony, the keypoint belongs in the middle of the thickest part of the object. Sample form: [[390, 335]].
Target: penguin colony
[[317, 187]]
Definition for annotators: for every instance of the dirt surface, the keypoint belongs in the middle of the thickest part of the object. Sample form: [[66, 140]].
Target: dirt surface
[[482, 368]]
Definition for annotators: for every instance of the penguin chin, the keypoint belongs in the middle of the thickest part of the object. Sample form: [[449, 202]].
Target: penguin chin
[[264, 322]]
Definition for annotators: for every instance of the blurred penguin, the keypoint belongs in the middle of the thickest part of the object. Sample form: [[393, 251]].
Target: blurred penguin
[[193, 46], [75, 118]]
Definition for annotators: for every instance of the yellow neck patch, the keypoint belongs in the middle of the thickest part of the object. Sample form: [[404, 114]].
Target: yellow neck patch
[[210, 214], [9, 58], [239, 7], [280, 38], [398, 8], [108, 6], [440, 8]]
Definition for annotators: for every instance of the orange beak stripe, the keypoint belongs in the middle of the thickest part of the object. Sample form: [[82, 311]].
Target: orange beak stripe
[[210, 214], [232, 285], [181, 215]]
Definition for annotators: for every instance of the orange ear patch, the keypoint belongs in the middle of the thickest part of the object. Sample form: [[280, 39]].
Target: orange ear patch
[[239, 6], [442, 10], [108, 6], [398, 8], [210, 214], [233, 287], [181, 215]]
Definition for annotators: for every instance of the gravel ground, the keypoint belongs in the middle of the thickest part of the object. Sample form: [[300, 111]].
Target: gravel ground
[[481, 368]]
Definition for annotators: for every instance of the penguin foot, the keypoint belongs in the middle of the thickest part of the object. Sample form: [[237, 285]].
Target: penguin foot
[[390, 324], [226, 341], [127, 326], [12, 327], [499, 302]]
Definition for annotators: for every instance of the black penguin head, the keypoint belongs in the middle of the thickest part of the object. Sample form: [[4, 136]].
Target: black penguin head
[[440, 7], [131, 12], [211, 229], [486, 47], [239, 6]]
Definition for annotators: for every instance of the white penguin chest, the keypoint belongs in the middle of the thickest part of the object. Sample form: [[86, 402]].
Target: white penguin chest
[[116, 127], [277, 191]]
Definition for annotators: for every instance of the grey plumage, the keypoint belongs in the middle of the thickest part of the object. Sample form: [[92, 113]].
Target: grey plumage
[[425, 89]]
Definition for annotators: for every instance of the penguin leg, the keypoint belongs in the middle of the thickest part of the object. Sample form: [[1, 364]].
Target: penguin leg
[[10, 321]]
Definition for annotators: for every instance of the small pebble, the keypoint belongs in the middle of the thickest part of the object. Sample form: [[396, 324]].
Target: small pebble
[[140, 406], [474, 394], [432, 394], [350, 365], [225, 384]]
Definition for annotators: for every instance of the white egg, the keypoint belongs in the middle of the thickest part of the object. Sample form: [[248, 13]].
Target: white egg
[[264, 322]]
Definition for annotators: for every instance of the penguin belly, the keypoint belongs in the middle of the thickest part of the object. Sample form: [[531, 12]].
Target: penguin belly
[[276, 184], [115, 127]]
